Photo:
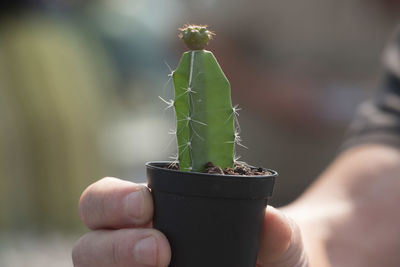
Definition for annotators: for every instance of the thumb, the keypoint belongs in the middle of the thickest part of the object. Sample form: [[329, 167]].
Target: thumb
[[281, 244]]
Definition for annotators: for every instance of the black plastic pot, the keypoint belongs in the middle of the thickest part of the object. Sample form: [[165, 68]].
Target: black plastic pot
[[210, 220]]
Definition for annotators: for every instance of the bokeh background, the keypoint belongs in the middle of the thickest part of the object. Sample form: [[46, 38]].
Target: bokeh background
[[79, 87]]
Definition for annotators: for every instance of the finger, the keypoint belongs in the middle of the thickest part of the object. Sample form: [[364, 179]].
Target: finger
[[114, 203], [281, 244], [125, 247]]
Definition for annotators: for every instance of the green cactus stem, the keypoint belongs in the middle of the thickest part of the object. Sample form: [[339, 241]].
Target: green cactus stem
[[204, 113]]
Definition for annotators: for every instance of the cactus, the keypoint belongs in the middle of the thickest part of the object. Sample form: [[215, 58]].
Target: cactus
[[204, 113]]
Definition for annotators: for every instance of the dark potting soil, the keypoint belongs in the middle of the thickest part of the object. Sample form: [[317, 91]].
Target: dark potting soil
[[238, 169]]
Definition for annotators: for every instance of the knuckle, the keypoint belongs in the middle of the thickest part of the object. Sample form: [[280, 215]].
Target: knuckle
[[106, 180], [115, 248], [104, 204], [77, 252], [75, 256], [84, 203], [91, 200]]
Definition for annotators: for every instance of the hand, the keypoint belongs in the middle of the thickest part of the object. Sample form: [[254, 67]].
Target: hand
[[281, 242], [119, 213]]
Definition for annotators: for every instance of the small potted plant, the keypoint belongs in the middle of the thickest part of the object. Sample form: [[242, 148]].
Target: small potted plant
[[210, 207]]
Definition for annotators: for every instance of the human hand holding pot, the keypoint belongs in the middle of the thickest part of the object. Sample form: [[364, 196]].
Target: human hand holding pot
[[119, 214]]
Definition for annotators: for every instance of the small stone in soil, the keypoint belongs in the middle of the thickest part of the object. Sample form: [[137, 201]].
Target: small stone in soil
[[210, 168], [215, 170], [229, 171]]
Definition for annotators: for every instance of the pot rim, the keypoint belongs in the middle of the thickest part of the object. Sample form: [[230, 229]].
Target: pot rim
[[178, 182], [153, 164]]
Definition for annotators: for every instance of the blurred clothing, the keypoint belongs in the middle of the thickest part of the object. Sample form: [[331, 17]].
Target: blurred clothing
[[378, 121]]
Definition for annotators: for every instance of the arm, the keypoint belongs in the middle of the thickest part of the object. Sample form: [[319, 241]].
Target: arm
[[349, 215]]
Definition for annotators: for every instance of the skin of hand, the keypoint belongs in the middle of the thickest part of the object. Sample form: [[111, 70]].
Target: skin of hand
[[349, 216], [119, 215]]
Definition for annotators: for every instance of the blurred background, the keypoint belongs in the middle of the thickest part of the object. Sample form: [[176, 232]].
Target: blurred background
[[79, 87]]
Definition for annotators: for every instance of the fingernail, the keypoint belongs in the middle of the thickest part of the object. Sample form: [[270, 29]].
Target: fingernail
[[134, 204], [145, 251]]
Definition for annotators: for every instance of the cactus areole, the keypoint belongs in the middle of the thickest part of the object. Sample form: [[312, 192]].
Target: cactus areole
[[204, 113]]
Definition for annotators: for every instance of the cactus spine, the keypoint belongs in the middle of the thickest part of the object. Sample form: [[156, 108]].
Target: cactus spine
[[204, 113]]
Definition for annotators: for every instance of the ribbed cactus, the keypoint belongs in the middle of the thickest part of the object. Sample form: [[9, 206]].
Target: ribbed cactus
[[204, 113]]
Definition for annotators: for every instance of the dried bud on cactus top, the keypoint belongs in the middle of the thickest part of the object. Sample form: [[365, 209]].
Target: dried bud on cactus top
[[196, 37]]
